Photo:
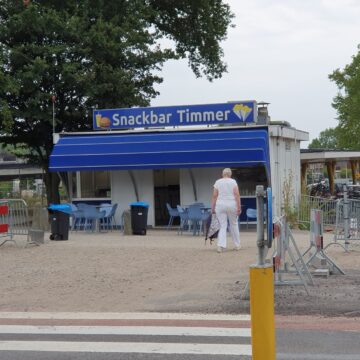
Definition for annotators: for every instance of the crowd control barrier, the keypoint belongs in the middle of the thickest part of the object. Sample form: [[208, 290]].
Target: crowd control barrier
[[347, 226], [19, 222], [327, 206], [5, 234], [317, 257], [288, 263], [18, 219]]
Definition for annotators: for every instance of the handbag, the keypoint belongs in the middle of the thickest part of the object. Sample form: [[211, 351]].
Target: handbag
[[212, 228]]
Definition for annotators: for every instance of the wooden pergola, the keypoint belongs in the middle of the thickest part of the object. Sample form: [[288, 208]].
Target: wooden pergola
[[329, 158]]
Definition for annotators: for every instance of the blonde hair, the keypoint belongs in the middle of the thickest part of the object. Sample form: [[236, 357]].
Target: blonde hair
[[227, 172]]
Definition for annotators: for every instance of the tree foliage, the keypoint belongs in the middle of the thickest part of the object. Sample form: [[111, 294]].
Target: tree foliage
[[328, 139], [94, 54], [347, 103]]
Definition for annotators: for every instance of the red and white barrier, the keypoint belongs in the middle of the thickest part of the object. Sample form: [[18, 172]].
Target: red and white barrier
[[5, 234]]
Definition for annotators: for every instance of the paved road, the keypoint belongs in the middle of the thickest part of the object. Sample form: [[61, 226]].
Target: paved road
[[152, 336], [317, 345]]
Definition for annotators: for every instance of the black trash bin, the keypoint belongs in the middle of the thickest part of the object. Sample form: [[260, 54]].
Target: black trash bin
[[59, 216], [139, 212]]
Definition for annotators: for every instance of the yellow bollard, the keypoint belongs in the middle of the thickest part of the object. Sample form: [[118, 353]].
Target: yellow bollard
[[262, 312]]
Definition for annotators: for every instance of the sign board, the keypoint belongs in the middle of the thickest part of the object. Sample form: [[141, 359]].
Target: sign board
[[167, 116]]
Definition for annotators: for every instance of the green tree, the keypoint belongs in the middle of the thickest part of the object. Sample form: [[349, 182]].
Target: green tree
[[328, 139], [347, 103], [86, 54]]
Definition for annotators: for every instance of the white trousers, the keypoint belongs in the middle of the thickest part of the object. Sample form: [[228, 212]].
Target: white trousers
[[227, 210]]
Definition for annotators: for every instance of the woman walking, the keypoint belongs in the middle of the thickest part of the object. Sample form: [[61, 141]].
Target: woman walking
[[227, 206]]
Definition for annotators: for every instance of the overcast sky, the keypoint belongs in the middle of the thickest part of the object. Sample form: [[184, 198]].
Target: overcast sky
[[281, 52]]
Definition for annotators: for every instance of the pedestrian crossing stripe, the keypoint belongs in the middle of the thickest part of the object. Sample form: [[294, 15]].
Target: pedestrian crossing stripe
[[50, 333], [126, 330], [127, 347], [123, 316]]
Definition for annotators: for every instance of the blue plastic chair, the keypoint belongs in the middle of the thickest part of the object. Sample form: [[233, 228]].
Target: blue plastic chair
[[77, 217], [250, 214], [108, 221], [104, 222], [197, 217], [173, 213], [92, 216], [184, 218]]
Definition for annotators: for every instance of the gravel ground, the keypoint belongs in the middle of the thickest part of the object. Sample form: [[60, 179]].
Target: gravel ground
[[162, 271]]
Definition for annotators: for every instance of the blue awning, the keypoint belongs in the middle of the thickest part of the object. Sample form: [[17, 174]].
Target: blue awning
[[163, 149]]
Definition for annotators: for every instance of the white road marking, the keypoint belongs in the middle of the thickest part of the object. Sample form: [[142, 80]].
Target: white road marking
[[125, 330], [126, 347], [121, 316]]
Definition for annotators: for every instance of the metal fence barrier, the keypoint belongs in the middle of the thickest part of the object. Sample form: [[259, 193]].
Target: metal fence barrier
[[19, 223], [347, 221], [327, 206], [25, 221], [342, 216], [288, 263], [317, 258], [5, 234]]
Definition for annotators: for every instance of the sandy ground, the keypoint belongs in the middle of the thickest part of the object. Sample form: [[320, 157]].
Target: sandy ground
[[162, 271]]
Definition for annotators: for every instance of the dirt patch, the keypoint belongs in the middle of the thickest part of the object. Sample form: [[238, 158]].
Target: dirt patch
[[161, 271], [338, 295]]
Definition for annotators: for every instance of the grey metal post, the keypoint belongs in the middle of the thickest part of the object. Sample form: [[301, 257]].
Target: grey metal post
[[262, 250], [346, 218]]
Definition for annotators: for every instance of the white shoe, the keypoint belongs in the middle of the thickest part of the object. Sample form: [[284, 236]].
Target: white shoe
[[219, 249], [237, 248]]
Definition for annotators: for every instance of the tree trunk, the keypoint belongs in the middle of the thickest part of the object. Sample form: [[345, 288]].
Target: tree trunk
[[304, 167], [353, 164], [52, 182], [330, 165]]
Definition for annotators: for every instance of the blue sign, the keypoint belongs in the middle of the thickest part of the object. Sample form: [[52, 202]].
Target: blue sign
[[164, 116]]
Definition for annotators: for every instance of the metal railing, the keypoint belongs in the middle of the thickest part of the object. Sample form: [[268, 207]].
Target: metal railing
[[342, 216], [327, 206], [288, 263], [23, 220], [19, 222], [347, 221], [5, 234]]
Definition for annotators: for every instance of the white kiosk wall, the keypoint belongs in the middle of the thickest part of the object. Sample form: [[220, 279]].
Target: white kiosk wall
[[285, 163], [123, 192], [204, 179]]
